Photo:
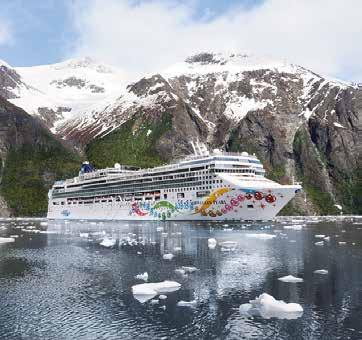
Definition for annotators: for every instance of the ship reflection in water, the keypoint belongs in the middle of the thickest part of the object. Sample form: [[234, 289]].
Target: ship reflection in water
[[73, 280]]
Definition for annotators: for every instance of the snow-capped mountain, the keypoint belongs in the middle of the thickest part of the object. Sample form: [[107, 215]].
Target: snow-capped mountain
[[57, 92], [214, 87]]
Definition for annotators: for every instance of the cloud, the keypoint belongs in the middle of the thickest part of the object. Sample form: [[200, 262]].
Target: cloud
[[6, 36], [146, 36]]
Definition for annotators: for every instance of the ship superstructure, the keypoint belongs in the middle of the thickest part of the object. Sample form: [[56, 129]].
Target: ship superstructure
[[205, 186]]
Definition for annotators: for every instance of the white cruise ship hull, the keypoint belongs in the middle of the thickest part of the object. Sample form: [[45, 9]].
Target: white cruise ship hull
[[233, 202]]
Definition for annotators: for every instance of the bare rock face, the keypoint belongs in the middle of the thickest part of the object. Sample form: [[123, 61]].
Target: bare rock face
[[9, 80]]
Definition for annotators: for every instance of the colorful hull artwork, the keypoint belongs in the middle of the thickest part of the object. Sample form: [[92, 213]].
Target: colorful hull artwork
[[226, 203]]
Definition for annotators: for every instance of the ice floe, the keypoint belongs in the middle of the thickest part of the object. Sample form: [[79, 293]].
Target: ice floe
[[267, 307], [168, 256], [211, 242], [294, 227], [290, 278], [108, 242], [342, 243], [189, 269], [146, 291], [321, 271], [6, 240], [261, 236], [186, 303], [320, 243], [320, 236], [143, 276]]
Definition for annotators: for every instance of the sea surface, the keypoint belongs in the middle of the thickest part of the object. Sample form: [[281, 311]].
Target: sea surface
[[57, 280]]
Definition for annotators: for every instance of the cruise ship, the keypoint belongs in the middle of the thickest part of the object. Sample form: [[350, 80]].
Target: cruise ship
[[211, 186]]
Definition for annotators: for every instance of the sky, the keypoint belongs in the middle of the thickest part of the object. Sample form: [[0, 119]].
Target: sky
[[144, 36]]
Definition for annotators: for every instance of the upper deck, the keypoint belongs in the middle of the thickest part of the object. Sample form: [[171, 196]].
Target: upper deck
[[217, 160]]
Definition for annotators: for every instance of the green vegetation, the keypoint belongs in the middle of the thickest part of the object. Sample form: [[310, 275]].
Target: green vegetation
[[30, 170], [134, 143], [291, 209], [323, 201], [276, 173]]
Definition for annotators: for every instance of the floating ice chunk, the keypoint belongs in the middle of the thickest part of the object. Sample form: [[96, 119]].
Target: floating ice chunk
[[162, 297], [143, 276], [294, 227], [146, 291], [321, 271], [261, 236], [189, 269], [7, 240], [168, 256], [267, 307], [14, 236], [320, 236], [108, 242], [320, 243], [290, 278], [342, 243], [327, 238], [211, 242], [186, 303], [180, 271], [229, 244]]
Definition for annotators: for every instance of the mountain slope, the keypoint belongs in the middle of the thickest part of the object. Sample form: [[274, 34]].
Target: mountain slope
[[31, 160]]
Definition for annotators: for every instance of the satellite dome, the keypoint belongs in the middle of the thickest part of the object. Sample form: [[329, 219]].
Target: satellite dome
[[117, 165], [244, 153]]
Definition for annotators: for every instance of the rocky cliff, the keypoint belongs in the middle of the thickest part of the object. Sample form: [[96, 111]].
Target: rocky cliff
[[31, 159]]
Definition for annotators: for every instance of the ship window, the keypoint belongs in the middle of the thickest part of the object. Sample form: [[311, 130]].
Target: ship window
[[62, 203], [164, 196], [180, 195], [250, 206]]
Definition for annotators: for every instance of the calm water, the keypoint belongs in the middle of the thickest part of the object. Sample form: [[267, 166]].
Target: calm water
[[64, 285]]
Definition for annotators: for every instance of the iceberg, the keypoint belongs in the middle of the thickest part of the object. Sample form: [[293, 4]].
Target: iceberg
[[211, 242], [290, 278], [267, 307], [168, 256], [6, 240], [143, 276], [108, 242], [146, 291], [321, 271], [320, 243], [186, 303], [261, 236], [294, 227], [189, 269]]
